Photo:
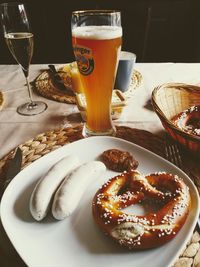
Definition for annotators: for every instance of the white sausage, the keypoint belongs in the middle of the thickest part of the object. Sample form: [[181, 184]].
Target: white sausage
[[45, 188], [72, 188]]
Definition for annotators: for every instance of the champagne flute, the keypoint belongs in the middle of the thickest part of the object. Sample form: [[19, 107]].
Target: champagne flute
[[19, 39]]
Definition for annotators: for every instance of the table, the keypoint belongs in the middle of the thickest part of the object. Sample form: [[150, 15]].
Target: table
[[16, 129]]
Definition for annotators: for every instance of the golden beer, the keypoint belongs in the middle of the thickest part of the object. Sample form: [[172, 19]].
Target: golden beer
[[96, 49], [76, 79]]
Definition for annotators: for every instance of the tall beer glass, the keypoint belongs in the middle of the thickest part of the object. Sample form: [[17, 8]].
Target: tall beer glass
[[97, 38]]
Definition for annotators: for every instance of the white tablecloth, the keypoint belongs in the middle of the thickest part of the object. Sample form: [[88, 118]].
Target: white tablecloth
[[16, 129]]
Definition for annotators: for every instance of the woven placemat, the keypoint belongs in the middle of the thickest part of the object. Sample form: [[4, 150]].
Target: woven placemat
[[1, 100], [136, 80], [46, 142], [45, 85]]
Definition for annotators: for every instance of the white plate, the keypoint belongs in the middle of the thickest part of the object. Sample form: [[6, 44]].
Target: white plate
[[77, 241]]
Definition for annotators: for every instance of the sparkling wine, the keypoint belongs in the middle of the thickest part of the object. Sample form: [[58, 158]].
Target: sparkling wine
[[20, 45], [19, 39]]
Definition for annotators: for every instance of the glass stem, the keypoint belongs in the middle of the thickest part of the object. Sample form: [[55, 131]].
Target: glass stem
[[29, 90]]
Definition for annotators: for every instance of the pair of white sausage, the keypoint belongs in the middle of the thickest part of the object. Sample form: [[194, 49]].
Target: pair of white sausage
[[67, 194], [45, 188]]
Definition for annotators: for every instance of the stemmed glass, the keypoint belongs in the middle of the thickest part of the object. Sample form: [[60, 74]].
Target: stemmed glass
[[19, 39]]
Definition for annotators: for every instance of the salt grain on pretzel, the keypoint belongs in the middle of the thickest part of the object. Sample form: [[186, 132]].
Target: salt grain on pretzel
[[153, 229]]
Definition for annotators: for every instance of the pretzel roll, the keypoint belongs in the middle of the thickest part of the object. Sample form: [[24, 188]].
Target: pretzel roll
[[189, 120], [165, 193]]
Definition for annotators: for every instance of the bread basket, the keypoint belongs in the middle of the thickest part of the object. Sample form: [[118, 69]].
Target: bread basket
[[171, 99]]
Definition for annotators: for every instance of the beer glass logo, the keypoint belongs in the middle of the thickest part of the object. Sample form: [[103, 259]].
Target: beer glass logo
[[84, 59]]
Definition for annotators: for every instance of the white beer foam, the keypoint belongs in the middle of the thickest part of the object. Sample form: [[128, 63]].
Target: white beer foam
[[97, 32]]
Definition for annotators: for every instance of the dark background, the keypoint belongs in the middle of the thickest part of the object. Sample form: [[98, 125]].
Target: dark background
[[157, 31]]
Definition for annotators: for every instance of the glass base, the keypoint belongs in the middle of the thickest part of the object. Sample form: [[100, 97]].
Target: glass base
[[32, 108], [87, 133]]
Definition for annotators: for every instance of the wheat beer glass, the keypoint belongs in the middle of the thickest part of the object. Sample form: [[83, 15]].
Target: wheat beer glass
[[96, 39], [19, 39]]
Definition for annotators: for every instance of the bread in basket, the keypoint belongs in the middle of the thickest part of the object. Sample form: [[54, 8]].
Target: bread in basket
[[171, 99]]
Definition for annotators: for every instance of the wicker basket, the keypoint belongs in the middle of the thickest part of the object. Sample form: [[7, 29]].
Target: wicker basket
[[169, 100]]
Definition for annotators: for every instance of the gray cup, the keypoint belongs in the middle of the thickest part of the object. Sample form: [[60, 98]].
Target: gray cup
[[125, 69]]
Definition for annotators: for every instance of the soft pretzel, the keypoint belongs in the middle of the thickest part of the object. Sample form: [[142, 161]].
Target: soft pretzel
[[141, 232], [189, 120]]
